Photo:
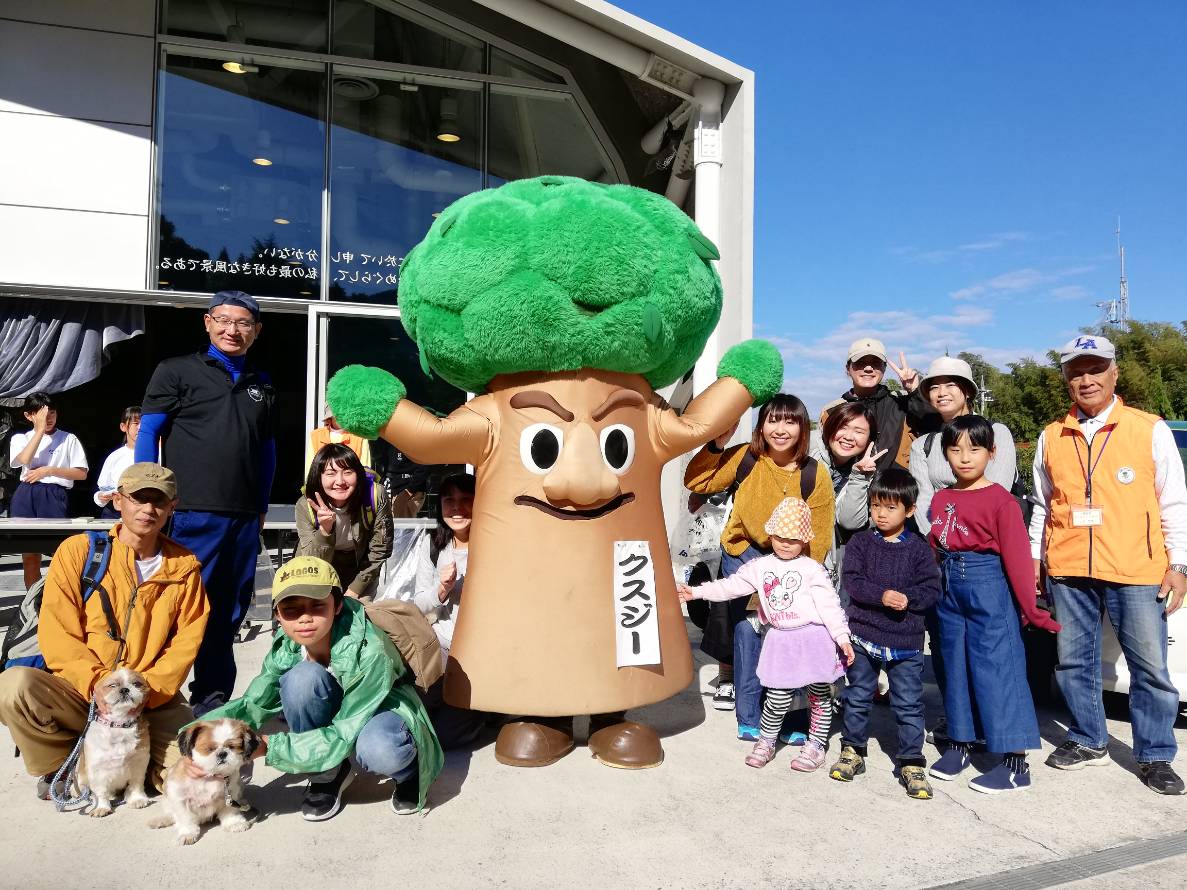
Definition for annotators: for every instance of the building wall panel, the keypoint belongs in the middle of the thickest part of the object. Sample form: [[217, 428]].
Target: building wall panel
[[72, 164], [72, 248], [126, 16]]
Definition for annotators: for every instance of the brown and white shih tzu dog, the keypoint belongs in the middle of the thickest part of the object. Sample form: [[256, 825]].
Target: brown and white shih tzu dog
[[115, 750], [218, 748]]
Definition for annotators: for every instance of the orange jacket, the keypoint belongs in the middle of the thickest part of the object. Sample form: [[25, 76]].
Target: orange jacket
[[162, 619], [1128, 548]]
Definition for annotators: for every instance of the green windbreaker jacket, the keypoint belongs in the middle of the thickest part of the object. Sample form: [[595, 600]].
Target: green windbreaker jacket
[[373, 678]]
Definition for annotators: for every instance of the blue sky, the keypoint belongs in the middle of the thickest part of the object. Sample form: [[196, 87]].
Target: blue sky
[[950, 175]]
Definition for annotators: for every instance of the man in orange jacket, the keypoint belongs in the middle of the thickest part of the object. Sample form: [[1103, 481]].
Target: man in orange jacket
[[1110, 528], [156, 592]]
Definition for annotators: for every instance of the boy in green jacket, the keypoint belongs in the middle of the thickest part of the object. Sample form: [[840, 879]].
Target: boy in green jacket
[[341, 684]]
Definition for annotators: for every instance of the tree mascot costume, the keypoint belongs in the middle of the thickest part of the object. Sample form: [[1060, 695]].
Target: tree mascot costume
[[564, 304]]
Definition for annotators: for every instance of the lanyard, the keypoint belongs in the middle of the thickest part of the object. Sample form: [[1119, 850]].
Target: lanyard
[[1094, 464]]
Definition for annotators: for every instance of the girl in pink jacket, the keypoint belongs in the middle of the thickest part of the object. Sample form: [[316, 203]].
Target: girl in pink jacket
[[805, 628]]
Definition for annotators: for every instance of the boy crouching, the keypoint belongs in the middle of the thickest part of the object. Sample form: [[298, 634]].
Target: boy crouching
[[342, 687]]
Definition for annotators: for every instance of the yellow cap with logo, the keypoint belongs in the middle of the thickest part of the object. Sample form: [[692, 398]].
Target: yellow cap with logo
[[305, 576]]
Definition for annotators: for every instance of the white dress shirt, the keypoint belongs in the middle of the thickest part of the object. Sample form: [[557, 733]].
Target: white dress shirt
[[1169, 484]]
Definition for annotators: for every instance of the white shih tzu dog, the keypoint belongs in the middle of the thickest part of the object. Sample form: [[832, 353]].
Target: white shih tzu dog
[[218, 749], [115, 751]]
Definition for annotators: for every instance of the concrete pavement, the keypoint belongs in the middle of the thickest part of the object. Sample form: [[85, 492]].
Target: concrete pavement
[[702, 819]]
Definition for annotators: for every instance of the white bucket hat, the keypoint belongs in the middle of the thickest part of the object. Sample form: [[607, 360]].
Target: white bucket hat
[[946, 366]]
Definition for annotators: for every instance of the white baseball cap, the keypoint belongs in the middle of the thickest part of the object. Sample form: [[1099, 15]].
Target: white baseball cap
[[946, 366], [867, 346], [1087, 344]]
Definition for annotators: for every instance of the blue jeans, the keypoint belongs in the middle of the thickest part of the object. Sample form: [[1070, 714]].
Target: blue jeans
[[906, 700], [226, 545], [1140, 622], [985, 694], [747, 645], [310, 697]]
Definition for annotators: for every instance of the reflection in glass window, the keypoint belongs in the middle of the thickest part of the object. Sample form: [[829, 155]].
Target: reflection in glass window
[[387, 32], [538, 132], [290, 24], [399, 154], [504, 64], [383, 343], [241, 178]]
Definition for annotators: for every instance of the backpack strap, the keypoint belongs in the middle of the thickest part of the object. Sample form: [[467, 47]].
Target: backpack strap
[[744, 467], [808, 477], [367, 514], [98, 558], [928, 441]]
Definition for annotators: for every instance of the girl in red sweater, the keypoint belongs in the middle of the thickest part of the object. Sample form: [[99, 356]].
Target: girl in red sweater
[[977, 530]]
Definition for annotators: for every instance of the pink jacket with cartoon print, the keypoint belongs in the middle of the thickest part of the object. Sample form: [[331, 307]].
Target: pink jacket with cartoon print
[[791, 594]]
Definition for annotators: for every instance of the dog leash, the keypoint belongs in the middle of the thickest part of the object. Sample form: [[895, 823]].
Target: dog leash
[[68, 773]]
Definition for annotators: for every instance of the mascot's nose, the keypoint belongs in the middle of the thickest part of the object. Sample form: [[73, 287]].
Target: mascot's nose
[[580, 476]]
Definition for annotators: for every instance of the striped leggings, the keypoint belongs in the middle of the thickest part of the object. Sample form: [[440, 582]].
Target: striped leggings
[[778, 701]]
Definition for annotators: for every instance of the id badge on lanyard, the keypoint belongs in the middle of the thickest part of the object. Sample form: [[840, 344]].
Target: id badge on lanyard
[[1088, 514]]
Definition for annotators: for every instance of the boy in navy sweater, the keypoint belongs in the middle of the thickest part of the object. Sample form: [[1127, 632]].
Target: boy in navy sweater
[[892, 579]]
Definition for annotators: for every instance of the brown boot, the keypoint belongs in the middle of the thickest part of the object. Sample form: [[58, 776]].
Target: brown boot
[[627, 745], [538, 742]]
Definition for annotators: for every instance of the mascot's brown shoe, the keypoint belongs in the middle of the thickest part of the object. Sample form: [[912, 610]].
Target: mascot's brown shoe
[[526, 743], [627, 745]]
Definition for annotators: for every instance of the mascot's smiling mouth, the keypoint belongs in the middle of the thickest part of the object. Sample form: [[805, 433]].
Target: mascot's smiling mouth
[[592, 513]]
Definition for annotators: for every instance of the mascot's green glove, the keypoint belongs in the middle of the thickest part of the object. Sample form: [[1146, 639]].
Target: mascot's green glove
[[757, 365], [364, 398]]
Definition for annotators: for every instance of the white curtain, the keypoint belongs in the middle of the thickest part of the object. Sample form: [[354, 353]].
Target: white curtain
[[54, 345]]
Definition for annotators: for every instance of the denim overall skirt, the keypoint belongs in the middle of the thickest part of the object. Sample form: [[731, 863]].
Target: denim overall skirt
[[986, 695]]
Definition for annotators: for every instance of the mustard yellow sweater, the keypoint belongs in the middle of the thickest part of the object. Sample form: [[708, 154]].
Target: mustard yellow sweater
[[710, 472]]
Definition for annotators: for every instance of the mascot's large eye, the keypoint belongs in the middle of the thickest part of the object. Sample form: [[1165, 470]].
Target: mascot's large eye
[[540, 447], [618, 447]]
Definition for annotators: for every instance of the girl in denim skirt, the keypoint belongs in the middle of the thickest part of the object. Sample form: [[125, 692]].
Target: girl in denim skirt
[[988, 575]]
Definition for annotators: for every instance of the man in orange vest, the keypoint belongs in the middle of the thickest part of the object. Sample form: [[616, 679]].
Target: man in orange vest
[[1110, 532]]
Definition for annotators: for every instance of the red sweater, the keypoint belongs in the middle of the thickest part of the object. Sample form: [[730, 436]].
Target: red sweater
[[989, 520]]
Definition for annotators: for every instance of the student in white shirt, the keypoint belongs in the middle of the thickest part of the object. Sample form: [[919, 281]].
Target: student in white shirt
[[118, 461], [51, 461]]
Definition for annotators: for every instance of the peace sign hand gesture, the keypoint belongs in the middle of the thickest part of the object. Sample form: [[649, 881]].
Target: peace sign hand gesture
[[325, 514], [869, 460], [908, 375]]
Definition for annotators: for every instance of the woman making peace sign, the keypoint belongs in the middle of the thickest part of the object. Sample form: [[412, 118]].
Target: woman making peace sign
[[345, 518]]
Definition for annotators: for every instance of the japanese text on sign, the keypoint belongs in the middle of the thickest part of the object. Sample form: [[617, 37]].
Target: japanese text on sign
[[636, 611]]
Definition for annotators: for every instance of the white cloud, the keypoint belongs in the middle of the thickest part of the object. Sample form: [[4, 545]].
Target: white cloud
[[1070, 292], [934, 257], [1016, 281]]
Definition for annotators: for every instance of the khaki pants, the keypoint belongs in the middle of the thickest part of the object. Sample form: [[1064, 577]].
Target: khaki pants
[[45, 716]]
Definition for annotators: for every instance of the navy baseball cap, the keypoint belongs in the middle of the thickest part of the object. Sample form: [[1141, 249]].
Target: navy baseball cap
[[235, 298]]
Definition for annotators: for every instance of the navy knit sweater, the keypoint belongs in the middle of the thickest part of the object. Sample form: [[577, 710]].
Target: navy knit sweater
[[874, 565]]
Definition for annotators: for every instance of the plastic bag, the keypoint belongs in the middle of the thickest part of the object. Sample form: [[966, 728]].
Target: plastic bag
[[697, 538], [399, 580]]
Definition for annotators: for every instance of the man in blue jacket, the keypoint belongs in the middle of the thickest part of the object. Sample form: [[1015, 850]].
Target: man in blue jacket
[[212, 416]]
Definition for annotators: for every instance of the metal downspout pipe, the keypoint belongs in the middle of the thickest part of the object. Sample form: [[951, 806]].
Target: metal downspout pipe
[[707, 161]]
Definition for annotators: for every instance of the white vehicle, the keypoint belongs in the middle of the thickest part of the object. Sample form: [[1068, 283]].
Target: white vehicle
[[1114, 671]]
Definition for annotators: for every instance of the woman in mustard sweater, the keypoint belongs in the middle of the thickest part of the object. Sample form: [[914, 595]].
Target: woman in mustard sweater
[[772, 466]]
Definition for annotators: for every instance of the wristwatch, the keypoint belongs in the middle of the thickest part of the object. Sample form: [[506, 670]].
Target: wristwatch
[[1177, 567]]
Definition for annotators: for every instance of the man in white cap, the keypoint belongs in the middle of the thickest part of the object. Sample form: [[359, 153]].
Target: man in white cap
[[1110, 532], [900, 417]]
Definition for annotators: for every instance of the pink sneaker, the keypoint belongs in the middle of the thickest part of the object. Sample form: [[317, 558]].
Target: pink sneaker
[[762, 754], [809, 759]]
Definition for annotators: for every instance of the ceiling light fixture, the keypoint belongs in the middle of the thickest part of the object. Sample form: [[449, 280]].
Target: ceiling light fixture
[[261, 162], [447, 129], [240, 67], [281, 221]]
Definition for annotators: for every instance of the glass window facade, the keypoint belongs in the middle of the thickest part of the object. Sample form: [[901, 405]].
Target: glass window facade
[[256, 194], [399, 154], [242, 161]]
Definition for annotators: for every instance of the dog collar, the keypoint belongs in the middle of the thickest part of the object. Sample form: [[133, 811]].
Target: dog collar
[[107, 721]]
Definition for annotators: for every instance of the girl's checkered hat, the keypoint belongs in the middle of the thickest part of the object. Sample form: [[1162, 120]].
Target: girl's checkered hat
[[791, 519]]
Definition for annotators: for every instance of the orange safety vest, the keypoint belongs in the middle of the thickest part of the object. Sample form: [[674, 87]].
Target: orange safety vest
[[1128, 547]]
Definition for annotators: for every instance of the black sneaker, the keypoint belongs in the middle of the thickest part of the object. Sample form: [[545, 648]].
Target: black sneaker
[[406, 796], [1161, 778], [323, 800], [1073, 755], [723, 698]]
